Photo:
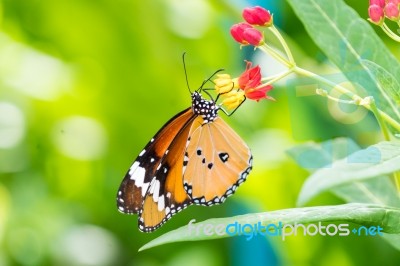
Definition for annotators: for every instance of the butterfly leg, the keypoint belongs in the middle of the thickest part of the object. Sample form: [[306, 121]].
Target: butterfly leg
[[206, 91]]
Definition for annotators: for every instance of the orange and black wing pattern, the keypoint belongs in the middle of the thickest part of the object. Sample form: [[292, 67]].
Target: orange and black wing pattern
[[217, 162], [195, 158], [166, 195], [144, 189]]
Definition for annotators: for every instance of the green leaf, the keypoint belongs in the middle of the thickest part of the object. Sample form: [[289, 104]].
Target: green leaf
[[313, 156], [393, 239], [377, 160], [362, 214], [347, 40], [379, 190], [376, 190], [387, 85]]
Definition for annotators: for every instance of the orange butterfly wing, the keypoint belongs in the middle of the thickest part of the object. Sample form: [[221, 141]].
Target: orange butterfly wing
[[166, 195], [216, 162], [143, 173], [190, 160]]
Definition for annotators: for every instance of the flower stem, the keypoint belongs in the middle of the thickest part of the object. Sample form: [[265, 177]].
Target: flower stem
[[283, 43], [267, 49], [291, 65], [388, 119], [379, 118], [275, 78], [390, 33], [396, 177]]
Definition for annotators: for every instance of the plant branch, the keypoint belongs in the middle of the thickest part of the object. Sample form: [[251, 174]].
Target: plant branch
[[388, 119]]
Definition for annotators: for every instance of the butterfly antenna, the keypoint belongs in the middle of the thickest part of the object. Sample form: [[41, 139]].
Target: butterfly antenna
[[184, 68], [209, 79]]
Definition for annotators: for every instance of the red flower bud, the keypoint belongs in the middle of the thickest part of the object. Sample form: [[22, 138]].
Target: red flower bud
[[396, 2], [392, 11], [376, 14], [253, 36], [237, 32], [245, 34], [380, 3], [257, 16]]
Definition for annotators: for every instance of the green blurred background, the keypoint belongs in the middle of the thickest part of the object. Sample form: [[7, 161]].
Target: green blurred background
[[85, 84]]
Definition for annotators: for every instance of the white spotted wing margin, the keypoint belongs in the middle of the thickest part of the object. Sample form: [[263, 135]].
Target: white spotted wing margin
[[149, 187], [196, 158]]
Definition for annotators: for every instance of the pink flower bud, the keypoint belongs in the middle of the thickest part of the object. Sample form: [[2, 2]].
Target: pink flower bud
[[245, 34], [392, 11], [376, 14], [396, 2], [380, 3], [257, 16], [237, 32], [253, 36]]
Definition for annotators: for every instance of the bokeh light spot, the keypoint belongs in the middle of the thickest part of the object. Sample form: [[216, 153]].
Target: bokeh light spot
[[189, 19], [31, 72], [26, 246], [12, 125], [87, 245], [80, 137]]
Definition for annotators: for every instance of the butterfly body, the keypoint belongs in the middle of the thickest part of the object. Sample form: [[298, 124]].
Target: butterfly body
[[208, 110], [195, 158]]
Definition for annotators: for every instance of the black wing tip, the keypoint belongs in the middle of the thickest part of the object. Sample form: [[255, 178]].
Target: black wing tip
[[123, 208]]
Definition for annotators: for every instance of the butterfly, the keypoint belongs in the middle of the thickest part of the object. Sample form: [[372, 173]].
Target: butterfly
[[195, 158]]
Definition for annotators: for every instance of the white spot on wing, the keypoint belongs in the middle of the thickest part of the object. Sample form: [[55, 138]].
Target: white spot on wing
[[156, 190], [152, 187], [138, 176], [133, 168], [161, 204], [144, 188], [142, 152]]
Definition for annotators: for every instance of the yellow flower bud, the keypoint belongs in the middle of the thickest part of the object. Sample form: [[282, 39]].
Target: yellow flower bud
[[224, 83], [233, 99]]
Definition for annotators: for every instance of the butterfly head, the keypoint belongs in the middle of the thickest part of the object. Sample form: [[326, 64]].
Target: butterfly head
[[205, 108]]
